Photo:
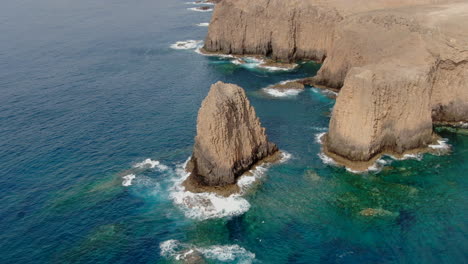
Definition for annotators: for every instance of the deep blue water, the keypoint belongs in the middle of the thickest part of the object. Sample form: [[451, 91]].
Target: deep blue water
[[90, 88]]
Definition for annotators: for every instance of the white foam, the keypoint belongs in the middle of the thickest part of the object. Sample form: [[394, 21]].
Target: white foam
[[246, 181], [219, 55], [223, 253], [319, 137], [417, 156], [376, 167], [463, 125], [327, 160], [256, 63], [282, 92], [276, 68], [285, 156], [151, 164], [127, 179], [199, 3], [202, 206], [248, 62], [170, 247], [441, 145], [198, 9], [228, 253], [203, 24], [187, 44]]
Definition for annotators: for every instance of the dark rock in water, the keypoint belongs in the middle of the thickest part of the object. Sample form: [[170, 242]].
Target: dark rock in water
[[288, 85], [204, 8], [230, 138]]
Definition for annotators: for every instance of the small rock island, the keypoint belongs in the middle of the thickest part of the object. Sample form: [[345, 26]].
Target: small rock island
[[230, 141]]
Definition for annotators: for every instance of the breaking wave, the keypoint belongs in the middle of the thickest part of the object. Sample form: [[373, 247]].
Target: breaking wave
[[256, 63], [187, 44], [140, 167], [223, 253], [282, 92], [150, 164], [202, 206], [203, 24], [441, 148], [441, 145]]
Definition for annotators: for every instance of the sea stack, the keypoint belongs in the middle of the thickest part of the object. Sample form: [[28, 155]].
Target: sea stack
[[229, 140]]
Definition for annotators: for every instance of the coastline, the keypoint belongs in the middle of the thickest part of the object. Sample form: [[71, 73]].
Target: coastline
[[356, 166]]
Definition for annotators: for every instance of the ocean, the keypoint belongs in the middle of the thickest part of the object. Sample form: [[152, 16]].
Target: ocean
[[98, 109]]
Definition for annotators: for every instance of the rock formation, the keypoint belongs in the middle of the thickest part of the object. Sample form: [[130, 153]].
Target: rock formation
[[401, 65], [230, 138]]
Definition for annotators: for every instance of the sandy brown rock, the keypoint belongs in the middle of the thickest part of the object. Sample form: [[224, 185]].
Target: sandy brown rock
[[400, 65], [230, 138], [288, 85]]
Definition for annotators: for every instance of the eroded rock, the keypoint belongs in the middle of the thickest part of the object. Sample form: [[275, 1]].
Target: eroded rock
[[401, 65], [229, 141]]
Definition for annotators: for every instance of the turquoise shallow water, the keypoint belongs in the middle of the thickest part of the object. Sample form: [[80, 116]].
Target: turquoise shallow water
[[89, 89]]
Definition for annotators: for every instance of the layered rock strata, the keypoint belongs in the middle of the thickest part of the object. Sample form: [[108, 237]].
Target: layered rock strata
[[229, 140], [401, 65]]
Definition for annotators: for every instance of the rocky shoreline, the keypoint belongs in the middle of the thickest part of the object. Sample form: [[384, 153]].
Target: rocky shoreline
[[400, 66]]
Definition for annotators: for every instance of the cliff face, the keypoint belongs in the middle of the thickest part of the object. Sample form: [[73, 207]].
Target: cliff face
[[230, 138], [401, 65], [411, 74], [284, 30]]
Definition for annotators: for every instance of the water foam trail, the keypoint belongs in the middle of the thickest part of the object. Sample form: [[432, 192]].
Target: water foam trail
[[417, 157], [256, 63], [202, 206], [442, 147], [376, 167], [199, 3], [219, 55], [223, 253], [187, 44], [282, 92], [138, 168], [277, 68], [198, 9], [203, 24]]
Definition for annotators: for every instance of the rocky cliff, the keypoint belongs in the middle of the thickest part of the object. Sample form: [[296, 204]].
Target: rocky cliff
[[401, 65], [230, 138]]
